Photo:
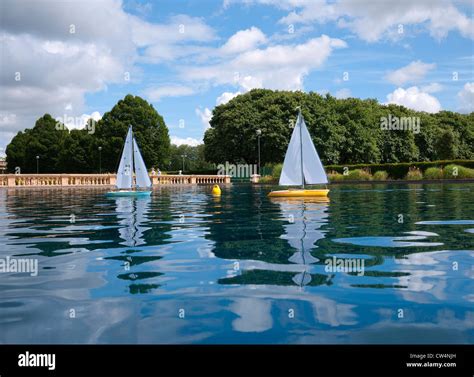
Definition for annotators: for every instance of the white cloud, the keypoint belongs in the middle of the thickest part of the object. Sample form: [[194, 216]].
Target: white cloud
[[415, 99], [273, 67], [371, 20], [63, 51], [188, 141], [53, 78], [226, 97], [432, 88], [244, 40], [156, 94], [205, 116], [169, 41], [343, 93], [412, 72], [80, 121], [179, 28], [466, 98]]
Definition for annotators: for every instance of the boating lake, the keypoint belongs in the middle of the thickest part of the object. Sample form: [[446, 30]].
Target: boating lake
[[185, 267]]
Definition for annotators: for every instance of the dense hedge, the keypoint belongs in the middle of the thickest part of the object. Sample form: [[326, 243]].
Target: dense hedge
[[399, 170]]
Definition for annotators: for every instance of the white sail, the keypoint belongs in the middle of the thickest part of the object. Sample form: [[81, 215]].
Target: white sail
[[291, 173], [124, 173], [311, 170], [141, 174], [312, 167]]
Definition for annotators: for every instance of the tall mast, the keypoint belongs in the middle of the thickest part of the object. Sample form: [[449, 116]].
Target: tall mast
[[301, 147], [133, 160]]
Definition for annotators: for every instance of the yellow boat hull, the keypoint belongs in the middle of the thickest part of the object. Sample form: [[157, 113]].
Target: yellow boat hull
[[299, 193]]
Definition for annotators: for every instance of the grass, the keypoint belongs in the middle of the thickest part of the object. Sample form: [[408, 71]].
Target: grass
[[352, 175], [335, 176], [380, 175], [451, 171], [267, 179], [274, 176], [433, 173], [358, 175], [414, 174], [399, 170], [457, 172], [276, 171]]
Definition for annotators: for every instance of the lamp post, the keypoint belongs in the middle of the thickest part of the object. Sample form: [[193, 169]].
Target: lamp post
[[37, 164], [100, 160], [259, 134], [183, 156]]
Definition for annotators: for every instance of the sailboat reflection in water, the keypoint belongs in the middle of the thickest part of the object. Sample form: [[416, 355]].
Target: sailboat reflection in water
[[305, 218], [130, 161], [132, 215]]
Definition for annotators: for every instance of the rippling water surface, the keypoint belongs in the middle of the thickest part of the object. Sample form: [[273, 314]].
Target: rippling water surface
[[376, 264]]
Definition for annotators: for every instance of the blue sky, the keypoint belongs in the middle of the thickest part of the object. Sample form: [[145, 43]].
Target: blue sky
[[187, 56]]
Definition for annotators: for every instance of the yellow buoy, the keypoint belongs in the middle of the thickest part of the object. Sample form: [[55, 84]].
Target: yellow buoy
[[216, 190]]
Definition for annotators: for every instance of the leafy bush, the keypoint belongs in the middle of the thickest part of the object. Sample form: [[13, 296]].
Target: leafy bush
[[414, 171], [400, 170], [433, 173], [267, 179], [271, 173], [334, 176], [276, 171], [380, 175], [358, 175], [457, 172], [414, 174]]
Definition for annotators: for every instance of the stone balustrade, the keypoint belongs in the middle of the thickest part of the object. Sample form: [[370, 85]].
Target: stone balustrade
[[81, 180], [189, 179]]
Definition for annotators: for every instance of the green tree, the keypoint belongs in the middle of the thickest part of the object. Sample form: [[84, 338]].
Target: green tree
[[78, 151], [446, 145], [344, 131], [193, 160], [45, 140], [16, 151], [149, 129], [397, 145], [458, 131], [79, 154]]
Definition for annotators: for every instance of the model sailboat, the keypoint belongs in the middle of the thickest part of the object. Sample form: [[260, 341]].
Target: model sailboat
[[302, 165], [132, 161]]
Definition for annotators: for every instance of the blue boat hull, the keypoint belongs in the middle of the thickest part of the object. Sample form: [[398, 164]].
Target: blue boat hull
[[128, 193]]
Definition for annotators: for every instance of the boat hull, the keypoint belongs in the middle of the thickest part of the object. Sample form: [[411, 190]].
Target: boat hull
[[299, 193], [128, 193]]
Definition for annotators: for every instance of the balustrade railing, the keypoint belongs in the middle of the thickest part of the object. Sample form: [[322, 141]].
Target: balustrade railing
[[38, 180]]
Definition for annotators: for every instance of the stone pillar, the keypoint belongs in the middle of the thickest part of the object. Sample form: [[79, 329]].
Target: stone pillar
[[64, 180], [227, 179], [11, 180], [192, 180], [255, 178]]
